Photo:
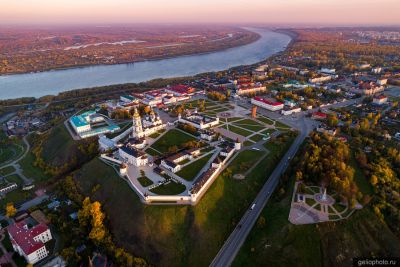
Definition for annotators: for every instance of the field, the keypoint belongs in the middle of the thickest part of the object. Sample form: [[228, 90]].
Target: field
[[7, 170], [196, 233], [239, 131], [28, 168], [10, 152], [170, 188], [171, 138], [245, 160], [190, 171], [144, 181]]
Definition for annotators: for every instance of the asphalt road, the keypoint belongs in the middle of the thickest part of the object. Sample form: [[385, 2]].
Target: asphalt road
[[231, 247]]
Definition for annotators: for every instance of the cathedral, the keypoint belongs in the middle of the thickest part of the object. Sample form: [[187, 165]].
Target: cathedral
[[148, 125]]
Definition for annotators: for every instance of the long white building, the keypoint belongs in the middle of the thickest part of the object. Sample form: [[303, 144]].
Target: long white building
[[199, 121], [267, 104]]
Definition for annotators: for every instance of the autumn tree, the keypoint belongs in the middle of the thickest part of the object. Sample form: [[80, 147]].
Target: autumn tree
[[10, 210]]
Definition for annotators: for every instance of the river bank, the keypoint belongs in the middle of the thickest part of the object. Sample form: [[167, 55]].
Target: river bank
[[252, 38], [54, 82]]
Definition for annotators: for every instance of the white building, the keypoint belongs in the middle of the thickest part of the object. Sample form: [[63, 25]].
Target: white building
[[376, 70], [8, 187], [199, 121], [147, 126], [82, 124], [380, 100], [250, 89], [208, 135], [172, 163], [290, 111], [320, 79], [29, 242], [381, 81], [327, 71], [106, 143], [267, 104], [169, 165], [133, 156]]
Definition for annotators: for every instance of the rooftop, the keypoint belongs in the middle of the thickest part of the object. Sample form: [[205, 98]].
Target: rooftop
[[79, 121], [23, 236], [268, 102]]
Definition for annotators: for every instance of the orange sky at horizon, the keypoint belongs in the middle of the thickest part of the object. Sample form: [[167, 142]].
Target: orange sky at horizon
[[328, 12]]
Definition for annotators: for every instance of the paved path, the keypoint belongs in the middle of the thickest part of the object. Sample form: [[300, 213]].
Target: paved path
[[232, 245], [17, 167]]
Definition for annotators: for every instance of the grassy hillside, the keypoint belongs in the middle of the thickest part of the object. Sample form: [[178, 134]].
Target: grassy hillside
[[175, 235], [58, 147]]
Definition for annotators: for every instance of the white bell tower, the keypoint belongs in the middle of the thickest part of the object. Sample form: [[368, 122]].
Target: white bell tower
[[137, 129]]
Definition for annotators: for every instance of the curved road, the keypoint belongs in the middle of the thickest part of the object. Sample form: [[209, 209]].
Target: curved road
[[231, 247]]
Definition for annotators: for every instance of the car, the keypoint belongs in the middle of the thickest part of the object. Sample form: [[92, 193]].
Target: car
[[252, 206]]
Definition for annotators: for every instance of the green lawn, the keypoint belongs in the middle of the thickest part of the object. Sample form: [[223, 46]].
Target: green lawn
[[7, 170], [250, 127], [155, 135], [15, 178], [247, 143], [196, 232], [338, 207], [189, 172], [268, 131], [30, 171], [10, 152], [16, 196], [171, 138], [245, 160], [248, 122], [233, 119], [144, 181], [310, 201], [6, 153], [171, 188], [265, 120], [152, 152], [281, 125], [256, 138], [239, 131]]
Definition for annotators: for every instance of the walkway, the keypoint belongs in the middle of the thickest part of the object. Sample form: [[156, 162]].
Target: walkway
[[17, 167]]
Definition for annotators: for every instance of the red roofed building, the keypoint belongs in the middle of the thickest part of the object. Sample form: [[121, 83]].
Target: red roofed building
[[267, 104], [319, 116], [29, 241], [180, 90], [380, 99]]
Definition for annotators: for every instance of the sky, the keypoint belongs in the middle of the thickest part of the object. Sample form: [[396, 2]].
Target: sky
[[288, 12]]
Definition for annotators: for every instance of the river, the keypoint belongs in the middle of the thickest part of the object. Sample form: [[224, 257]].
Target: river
[[53, 82]]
